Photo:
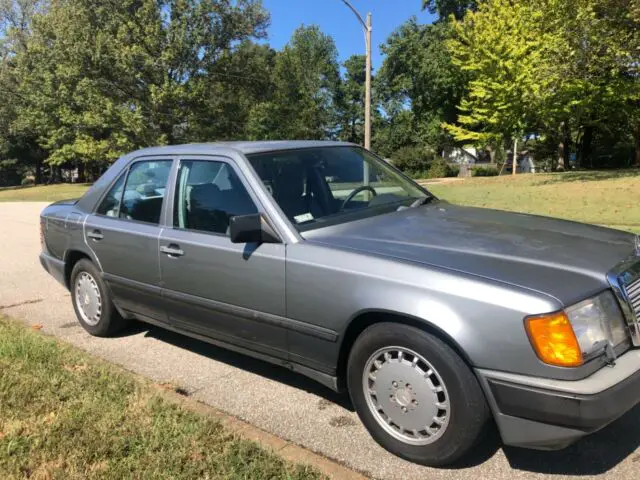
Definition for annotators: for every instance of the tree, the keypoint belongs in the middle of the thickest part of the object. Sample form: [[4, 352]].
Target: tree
[[19, 150], [351, 100], [592, 60], [305, 90], [105, 77], [501, 49], [445, 8], [418, 75], [562, 69]]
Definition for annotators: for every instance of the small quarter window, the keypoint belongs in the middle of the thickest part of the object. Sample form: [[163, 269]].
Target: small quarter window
[[208, 194], [144, 191], [110, 205]]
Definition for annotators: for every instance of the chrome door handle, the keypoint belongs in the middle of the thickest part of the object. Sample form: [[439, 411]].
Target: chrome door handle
[[172, 250], [95, 234]]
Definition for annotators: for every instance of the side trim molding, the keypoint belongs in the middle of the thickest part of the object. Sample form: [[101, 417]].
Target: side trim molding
[[268, 318], [227, 309], [133, 284], [327, 380]]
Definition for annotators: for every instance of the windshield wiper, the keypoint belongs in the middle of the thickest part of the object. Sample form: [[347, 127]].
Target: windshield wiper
[[421, 201], [416, 203]]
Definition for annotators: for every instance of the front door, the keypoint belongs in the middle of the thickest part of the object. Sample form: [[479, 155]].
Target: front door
[[123, 233], [232, 292]]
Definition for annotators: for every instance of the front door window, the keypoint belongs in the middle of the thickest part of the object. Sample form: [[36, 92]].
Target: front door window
[[208, 194]]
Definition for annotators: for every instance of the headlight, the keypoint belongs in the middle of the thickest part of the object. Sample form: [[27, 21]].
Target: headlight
[[583, 330], [596, 320]]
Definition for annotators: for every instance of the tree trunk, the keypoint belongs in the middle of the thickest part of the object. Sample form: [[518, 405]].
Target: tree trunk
[[492, 154], [515, 156], [636, 135], [38, 173], [81, 173], [586, 158], [564, 148]]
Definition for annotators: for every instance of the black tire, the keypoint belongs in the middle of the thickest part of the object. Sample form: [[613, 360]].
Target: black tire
[[110, 320], [469, 413]]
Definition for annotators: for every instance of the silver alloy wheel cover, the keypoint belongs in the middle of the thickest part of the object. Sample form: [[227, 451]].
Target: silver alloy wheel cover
[[406, 395], [88, 298]]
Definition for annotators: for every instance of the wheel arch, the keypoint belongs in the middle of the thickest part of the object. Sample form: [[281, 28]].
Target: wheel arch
[[73, 256], [364, 319]]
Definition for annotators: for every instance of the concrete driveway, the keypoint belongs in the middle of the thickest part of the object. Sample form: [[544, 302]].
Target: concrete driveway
[[272, 398]]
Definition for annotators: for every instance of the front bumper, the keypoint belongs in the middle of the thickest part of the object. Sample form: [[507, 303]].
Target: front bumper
[[551, 414]]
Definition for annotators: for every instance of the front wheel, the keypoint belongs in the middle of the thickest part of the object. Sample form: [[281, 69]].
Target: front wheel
[[415, 395]]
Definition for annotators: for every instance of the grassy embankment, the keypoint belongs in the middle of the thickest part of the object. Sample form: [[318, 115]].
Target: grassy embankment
[[67, 415]]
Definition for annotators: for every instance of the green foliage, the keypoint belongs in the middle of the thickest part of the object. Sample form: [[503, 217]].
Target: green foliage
[[99, 79], [440, 168], [444, 8], [484, 171], [305, 85], [563, 69], [501, 50], [418, 73], [88, 80], [412, 160]]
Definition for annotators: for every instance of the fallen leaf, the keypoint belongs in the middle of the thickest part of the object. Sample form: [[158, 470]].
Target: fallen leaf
[[75, 368]]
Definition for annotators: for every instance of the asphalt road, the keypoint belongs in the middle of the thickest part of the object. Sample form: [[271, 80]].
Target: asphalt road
[[272, 398]]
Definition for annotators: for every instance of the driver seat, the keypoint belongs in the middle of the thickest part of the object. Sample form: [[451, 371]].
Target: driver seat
[[289, 193]]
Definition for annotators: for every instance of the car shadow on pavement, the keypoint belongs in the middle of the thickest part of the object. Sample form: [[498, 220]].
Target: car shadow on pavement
[[593, 455], [244, 362]]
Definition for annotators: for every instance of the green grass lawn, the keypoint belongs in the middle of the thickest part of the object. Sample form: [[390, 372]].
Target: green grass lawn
[[610, 198], [43, 193], [65, 414]]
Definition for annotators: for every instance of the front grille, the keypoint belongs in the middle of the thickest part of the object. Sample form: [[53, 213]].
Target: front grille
[[633, 294], [625, 282]]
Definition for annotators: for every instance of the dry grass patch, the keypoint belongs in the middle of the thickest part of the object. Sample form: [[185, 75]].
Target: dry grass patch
[[43, 193], [64, 414]]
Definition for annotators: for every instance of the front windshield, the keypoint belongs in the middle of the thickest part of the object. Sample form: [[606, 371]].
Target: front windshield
[[323, 186]]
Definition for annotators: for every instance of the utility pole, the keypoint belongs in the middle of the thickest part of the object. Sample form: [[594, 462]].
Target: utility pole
[[367, 95], [367, 88]]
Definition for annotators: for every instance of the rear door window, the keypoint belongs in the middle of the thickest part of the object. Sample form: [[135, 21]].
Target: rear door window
[[144, 191]]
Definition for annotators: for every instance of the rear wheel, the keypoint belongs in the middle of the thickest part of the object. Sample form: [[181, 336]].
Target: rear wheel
[[92, 302], [415, 395]]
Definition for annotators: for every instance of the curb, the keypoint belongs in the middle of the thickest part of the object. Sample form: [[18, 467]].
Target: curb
[[283, 448]]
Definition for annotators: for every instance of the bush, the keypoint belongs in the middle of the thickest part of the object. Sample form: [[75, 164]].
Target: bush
[[484, 171], [27, 181], [440, 169], [413, 161]]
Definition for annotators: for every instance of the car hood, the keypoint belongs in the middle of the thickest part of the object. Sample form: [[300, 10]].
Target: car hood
[[565, 260]]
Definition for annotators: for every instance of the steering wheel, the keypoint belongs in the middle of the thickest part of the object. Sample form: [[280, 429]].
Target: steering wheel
[[356, 192]]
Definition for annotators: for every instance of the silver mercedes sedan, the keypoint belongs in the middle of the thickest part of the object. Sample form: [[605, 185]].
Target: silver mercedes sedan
[[439, 320]]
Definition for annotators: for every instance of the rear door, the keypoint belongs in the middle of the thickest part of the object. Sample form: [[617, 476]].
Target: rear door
[[233, 292], [123, 233]]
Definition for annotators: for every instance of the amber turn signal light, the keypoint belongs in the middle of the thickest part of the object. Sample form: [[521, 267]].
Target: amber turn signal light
[[553, 339]]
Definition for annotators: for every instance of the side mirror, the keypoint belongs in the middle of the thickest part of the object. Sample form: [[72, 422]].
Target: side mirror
[[251, 229]]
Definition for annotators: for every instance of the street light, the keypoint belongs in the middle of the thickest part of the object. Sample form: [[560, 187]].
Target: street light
[[367, 96]]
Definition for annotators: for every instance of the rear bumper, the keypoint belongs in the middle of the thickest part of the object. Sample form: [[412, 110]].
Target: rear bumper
[[54, 267], [550, 414]]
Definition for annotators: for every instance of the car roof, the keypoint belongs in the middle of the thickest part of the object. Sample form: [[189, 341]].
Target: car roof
[[244, 147]]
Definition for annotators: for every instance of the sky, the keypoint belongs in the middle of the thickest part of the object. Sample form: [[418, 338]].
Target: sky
[[334, 18]]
